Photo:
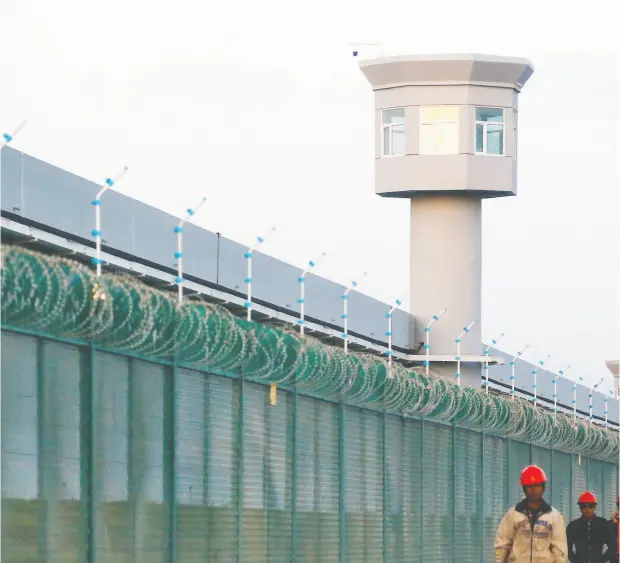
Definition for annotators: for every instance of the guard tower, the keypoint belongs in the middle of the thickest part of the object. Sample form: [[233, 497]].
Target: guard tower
[[445, 138]]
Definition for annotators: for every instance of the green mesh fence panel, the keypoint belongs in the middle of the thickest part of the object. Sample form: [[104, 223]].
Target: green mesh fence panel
[[222, 467], [561, 474], [22, 506], [206, 467], [468, 498], [255, 475], [114, 523], [595, 480], [438, 493], [363, 458], [279, 476], [206, 487], [395, 501], [414, 473], [580, 481], [520, 457], [64, 538], [495, 491], [267, 476], [146, 461], [44, 515], [194, 533], [542, 458], [327, 470], [610, 484], [373, 493], [318, 488]]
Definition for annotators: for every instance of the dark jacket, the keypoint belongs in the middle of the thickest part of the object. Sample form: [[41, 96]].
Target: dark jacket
[[587, 540], [614, 527]]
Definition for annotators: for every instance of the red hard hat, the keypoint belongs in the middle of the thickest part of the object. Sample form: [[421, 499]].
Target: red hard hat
[[533, 475], [587, 497]]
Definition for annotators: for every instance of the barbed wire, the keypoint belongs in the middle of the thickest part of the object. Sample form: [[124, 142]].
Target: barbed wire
[[56, 295]]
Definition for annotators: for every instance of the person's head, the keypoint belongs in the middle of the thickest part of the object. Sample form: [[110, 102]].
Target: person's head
[[587, 504], [533, 480]]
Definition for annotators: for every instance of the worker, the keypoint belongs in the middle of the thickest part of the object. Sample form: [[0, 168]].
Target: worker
[[615, 530], [589, 537], [532, 530]]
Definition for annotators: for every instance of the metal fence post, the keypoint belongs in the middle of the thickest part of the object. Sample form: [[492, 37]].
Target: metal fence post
[[131, 436], [454, 518], [421, 495], [603, 495], [385, 488], [206, 439], [341, 484], [87, 446], [510, 470], [294, 480], [170, 440], [41, 457], [240, 465], [552, 487], [572, 483], [481, 497]]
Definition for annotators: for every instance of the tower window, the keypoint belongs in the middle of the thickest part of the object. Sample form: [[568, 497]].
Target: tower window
[[490, 131], [439, 129], [393, 132]]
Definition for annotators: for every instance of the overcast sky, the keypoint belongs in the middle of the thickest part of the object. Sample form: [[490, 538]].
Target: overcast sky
[[261, 107]]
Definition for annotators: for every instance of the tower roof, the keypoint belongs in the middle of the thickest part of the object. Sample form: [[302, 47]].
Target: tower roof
[[433, 70]]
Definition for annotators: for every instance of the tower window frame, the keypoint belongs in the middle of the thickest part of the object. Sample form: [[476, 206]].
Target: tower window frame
[[485, 128], [393, 135]]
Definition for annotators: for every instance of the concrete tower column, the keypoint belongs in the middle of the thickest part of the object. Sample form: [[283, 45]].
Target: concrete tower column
[[446, 137], [446, 264]]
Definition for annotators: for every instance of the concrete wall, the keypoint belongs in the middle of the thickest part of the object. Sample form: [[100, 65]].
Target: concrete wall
[[33, 191], [39, 192]]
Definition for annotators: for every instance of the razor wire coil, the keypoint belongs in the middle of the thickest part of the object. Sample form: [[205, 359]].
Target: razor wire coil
[[56, 295]]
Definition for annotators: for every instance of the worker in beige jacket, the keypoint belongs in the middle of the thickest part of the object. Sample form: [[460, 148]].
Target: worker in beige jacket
[[533, 531]]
